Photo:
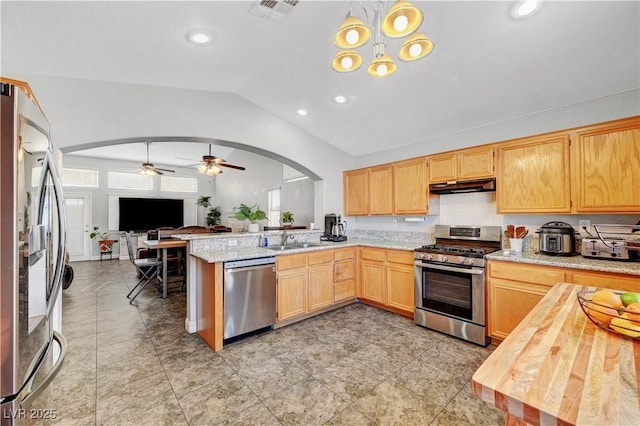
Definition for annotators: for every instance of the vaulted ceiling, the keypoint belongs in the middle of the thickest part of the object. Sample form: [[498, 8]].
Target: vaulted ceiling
[[486, 67]]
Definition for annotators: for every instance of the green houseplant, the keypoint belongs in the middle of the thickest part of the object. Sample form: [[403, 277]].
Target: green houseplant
[[287, 218], [214, 213], [106, 244], [252, 214]]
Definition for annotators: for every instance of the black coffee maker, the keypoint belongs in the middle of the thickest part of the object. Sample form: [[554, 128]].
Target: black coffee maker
[[334, 228]]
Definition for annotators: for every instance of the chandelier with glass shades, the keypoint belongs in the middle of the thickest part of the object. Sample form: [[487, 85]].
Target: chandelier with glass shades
[[401, 20]]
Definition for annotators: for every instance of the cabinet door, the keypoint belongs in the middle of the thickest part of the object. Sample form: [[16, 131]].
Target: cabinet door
[[533, 176], [356, 192], [344, 278], [320, 286], [373, 281], [608, 168], [509, 303], [604, 280], [400, 286], [475, 163], [381, 190], [410, 187], [443, 168], [292, 293]]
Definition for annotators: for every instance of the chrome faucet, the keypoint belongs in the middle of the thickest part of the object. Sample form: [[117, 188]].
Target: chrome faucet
[[286, 237]]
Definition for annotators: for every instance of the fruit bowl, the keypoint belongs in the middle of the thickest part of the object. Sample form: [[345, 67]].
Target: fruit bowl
[[608, 317]]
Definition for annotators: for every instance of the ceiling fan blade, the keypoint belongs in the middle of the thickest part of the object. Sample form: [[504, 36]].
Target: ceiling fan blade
[[158, 172], [231, 166], [165, 170]]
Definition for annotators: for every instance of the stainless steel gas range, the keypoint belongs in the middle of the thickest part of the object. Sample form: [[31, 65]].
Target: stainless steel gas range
[[450, 284]]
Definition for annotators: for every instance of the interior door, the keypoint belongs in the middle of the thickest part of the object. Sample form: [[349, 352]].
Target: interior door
[[78, 210]]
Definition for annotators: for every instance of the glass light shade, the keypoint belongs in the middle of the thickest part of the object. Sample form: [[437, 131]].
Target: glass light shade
[[415, 47], [346, 61], [202, 168], [393, 23], [213, 170], [382, 66], [352, 34]]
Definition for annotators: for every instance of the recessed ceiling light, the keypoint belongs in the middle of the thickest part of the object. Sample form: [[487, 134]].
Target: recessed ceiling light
[[340, 99], [200, 37], [302, 112], [526, 8]]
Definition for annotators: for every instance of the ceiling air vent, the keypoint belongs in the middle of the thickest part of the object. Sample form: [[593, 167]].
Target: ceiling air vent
[[274, 10]]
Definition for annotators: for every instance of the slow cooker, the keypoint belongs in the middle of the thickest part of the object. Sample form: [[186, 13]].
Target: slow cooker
[[557, 238]]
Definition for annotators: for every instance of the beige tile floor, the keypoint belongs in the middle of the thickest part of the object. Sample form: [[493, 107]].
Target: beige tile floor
[[357, 365]]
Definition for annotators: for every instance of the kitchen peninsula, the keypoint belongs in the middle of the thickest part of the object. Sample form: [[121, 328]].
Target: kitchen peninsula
[[557, 367]]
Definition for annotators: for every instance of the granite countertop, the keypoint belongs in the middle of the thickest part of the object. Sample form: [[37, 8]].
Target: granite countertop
[[239, 253], [576, 262]]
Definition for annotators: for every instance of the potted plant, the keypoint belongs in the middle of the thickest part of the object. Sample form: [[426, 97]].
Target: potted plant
[[106, 244], [213, 217], [252, 214], [287, 219]]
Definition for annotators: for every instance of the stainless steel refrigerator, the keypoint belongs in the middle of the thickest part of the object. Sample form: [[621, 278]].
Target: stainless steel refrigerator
[[32, 254]]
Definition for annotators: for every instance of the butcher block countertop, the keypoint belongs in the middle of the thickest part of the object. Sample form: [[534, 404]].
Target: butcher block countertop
[[557, 367]]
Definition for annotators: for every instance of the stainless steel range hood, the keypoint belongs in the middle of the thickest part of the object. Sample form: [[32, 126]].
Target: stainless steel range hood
[[479, 185]]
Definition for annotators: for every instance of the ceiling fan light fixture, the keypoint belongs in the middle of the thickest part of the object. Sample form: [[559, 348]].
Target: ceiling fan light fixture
[[202, 168], [213, 170], [402, 19], [382, 66], [352, 33], [416, 46], [346, 61]]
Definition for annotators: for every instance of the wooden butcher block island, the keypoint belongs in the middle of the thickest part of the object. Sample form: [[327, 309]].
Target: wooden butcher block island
[[557, 367]]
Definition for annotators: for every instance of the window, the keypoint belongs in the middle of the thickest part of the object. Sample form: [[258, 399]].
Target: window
[[273, 210], [122, 180], [178, 184], [79, 177]]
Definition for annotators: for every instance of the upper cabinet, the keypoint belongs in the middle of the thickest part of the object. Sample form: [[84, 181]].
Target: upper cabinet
[[607, 167], [410, 189], [356, 192], [533, 175], [465, 164], [392, 189]]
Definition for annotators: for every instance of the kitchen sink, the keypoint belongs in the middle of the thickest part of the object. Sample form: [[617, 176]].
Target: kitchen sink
[[292, 246]]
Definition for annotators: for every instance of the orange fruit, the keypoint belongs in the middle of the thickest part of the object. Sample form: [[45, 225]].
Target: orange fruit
[[603, 313], [633, 312], [606, 297]]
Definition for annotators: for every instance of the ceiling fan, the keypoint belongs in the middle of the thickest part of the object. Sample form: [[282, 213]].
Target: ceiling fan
[[148, 169], [210, 165]]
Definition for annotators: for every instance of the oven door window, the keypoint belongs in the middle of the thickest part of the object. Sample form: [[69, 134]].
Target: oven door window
[[447, 292]]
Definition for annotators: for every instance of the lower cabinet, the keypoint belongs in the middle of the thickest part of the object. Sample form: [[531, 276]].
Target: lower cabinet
[[344, 274], [515, 288], [292, 294], [387, 279], [320, 294]]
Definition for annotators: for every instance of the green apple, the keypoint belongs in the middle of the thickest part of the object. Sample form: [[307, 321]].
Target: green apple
[[629, 298]]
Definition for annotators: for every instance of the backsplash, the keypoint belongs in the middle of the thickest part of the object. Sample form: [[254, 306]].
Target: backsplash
[[419, 238]]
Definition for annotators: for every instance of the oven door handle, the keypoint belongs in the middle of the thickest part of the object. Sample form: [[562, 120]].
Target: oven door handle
[[450, 268]]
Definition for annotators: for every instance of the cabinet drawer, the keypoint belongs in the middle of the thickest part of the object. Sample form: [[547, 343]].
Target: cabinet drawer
[[525, 273], [291, 261], [344, 271], [345, 253], [323, 256], [372, 254], [400, 256], [611, 281]]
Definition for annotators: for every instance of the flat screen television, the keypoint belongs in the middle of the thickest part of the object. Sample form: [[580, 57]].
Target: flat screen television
[[143, 214]]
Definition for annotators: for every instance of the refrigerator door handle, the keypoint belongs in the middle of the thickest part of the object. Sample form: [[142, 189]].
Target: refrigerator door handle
[[51, 374], [37, 243]]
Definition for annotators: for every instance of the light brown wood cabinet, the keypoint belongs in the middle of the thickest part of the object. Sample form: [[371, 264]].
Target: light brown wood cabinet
[[344, 274], [467, 164], [293, 279], [387, 279], [515, 288], [356, 192], [391, 189], [381, 190], [533, 175], [410, 188], [606, 158]]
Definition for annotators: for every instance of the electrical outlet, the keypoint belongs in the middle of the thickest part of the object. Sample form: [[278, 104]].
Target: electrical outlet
[[233, 243], [395, 222], [584, 223]]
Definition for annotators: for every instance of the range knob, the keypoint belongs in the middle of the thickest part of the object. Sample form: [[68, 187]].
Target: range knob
[[470, 262], [445, 259], [429, 257], [461, 260]]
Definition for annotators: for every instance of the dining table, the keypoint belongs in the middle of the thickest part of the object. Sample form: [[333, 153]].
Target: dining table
[[162, 247]]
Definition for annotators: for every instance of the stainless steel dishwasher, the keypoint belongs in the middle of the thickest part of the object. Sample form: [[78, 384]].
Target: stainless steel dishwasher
[[249, 295]]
